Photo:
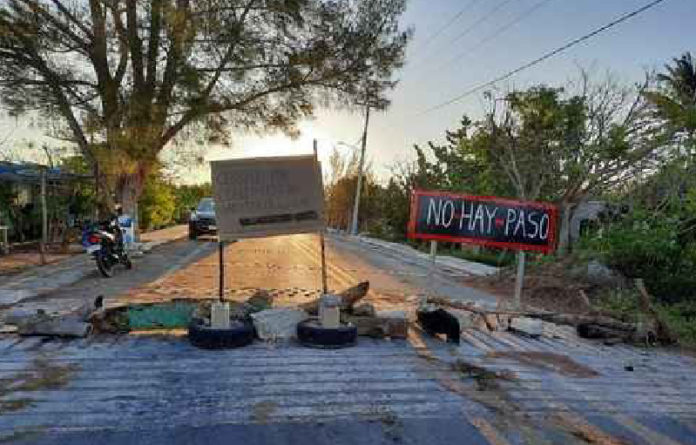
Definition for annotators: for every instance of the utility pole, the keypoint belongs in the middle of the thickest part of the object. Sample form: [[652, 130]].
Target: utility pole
[[356, 205]]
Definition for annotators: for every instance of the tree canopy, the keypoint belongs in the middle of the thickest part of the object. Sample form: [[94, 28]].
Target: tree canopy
[[127, 76]]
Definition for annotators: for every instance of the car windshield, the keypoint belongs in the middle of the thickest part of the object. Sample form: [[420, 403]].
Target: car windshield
[[206, 205]]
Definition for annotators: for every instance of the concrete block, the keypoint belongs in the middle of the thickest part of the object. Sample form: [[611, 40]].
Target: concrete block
[[480, 323], [364, 310], [395, 322], [278, 324], [220, 315], [528, 326], [330, 311], [491, 321], [503, 322]]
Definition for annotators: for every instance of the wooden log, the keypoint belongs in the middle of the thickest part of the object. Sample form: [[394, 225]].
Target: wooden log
[[577, 319], [588, 330], [567, 319], [662, 331], [471, 307], [348, 298]]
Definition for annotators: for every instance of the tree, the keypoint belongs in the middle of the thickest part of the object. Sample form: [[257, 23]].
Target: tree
[[566, 148], [188, 196], [463, 164], [675, 101], [129, 77], [157, 203], [341, 186]]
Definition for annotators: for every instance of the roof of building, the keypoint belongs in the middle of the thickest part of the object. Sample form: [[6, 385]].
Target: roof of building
[[29, 172]]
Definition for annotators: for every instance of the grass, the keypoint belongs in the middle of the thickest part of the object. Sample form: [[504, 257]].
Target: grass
[[491, 257], [679, 317]]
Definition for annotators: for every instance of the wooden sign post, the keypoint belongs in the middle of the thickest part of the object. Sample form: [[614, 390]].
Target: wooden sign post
[[324, 285]]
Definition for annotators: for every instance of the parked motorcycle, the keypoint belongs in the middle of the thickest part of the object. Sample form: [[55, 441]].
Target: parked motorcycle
[[104, 241]]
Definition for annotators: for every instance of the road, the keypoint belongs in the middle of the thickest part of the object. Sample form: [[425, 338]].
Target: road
[[288, 266], [157, 389]]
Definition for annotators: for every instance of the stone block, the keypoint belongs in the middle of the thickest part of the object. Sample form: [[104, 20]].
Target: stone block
[[364, 310], [278, 324], [528, 326], [396, 323]]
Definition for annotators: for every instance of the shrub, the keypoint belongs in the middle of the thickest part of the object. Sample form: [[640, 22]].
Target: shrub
[[649, 248]]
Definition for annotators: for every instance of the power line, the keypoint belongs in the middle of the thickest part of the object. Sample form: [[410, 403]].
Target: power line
[[471, 27], [449, 23], [481, 20], [493, 35], [546, 56], [526, 13]]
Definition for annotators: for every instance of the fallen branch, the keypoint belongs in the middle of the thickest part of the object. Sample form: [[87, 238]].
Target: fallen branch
[[552, 317], [662, 330]]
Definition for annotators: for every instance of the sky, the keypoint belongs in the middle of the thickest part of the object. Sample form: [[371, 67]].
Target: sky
[[443, 63]]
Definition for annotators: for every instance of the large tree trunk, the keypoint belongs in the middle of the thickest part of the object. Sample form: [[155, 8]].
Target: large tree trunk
[[128, 190]]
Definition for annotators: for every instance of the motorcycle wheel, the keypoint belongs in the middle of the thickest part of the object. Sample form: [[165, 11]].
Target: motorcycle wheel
[[104, 265], [127, 262]]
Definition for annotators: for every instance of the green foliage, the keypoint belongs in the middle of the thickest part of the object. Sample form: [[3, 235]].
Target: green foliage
[[642, 246], [492, 257], [191, 69], [156, 205], [674, 103], [187, 197], [625, 305], [681, 319]]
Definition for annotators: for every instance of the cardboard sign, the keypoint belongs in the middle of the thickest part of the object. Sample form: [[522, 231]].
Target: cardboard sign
[[483, 220], [267, 196]]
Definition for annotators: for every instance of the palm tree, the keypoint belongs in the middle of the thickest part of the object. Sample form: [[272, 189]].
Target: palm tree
[[680, 80], [675, 102]]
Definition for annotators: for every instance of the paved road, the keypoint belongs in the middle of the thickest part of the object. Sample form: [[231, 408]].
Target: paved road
[[161, 390], [289, 266]]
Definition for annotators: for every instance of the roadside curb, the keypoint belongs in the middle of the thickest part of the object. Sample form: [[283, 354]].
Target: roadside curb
[[443, 263]]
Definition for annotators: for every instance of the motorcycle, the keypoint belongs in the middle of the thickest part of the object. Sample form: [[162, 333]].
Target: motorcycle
[[104, 241]]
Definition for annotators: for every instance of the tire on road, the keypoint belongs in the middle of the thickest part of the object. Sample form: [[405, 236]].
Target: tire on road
[[106, 268], [202, 336], [310, 333]]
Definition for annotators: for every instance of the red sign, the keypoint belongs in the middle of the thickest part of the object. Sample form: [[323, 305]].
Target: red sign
[[483, 220]]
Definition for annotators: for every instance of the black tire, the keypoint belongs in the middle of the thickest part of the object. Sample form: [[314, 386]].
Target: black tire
[[202, 336], [127, 262], [310, 333], [192, 234], [104, 266]]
